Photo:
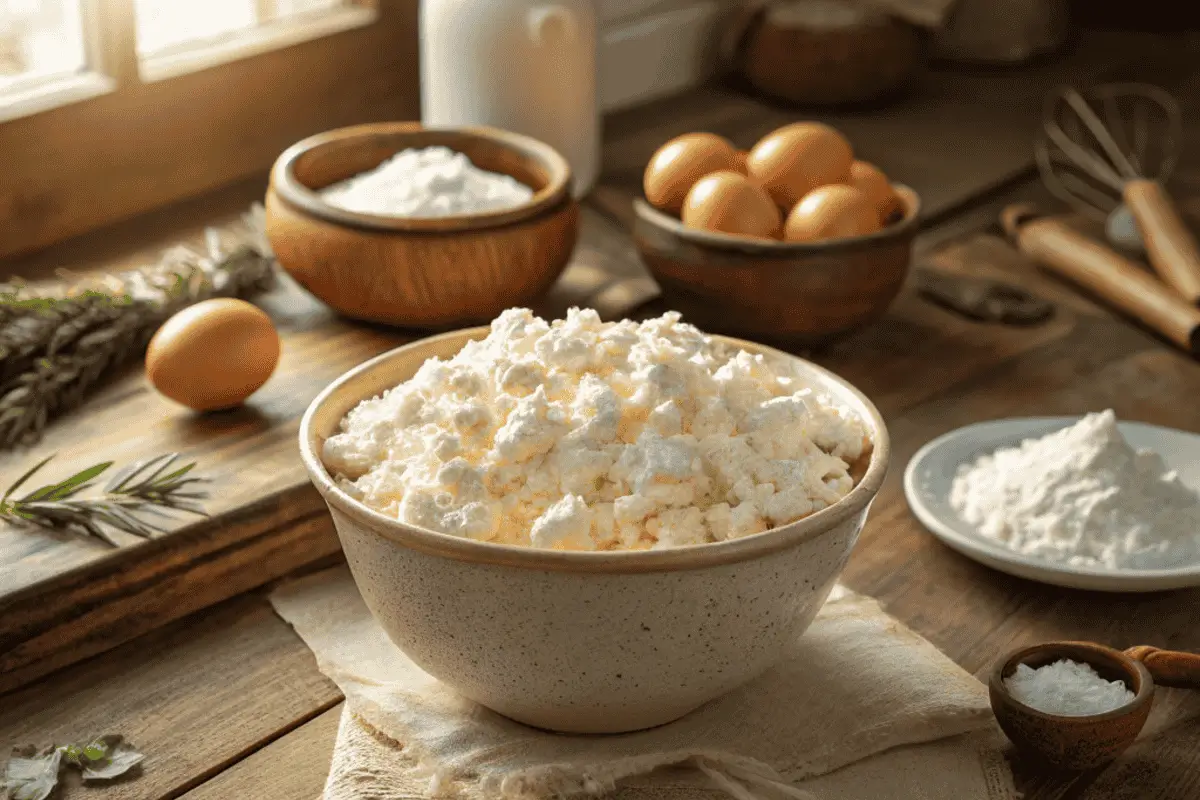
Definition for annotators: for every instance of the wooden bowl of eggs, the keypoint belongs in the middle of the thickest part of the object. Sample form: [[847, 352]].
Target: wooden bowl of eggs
[[419, 227], [794, 240]]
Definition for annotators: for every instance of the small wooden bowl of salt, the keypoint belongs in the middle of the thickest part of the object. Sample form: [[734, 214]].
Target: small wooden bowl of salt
[[1078, 705], [422, 228]]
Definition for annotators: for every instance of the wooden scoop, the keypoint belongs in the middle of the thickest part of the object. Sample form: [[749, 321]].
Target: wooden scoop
[[1081, 743]]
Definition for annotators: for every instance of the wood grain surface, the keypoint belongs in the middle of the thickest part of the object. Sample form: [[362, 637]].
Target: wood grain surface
[[229, 703], [194, 697]]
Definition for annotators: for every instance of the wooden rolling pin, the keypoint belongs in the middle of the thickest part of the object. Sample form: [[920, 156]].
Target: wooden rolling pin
[[1109, 275]]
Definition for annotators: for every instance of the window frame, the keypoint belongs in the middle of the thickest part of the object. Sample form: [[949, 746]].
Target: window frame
[[134, 138]]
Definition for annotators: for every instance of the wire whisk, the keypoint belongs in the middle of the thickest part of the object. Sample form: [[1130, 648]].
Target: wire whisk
[[1092, 146], [1109, 154]]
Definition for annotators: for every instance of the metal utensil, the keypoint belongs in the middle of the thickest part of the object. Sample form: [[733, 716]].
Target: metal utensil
[[1108, 155], [982, 299], [1083, 742]]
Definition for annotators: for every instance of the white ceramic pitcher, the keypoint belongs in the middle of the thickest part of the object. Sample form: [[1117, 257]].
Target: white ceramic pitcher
[[527, 66]]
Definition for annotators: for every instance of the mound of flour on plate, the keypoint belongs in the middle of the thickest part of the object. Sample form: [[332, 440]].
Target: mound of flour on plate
[[1082, 496]]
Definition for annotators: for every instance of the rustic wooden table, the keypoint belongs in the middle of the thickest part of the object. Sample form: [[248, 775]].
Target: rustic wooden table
[[173, 644]]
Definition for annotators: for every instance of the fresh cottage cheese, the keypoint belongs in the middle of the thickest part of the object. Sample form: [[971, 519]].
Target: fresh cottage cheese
[[585, 435], [427, 183]]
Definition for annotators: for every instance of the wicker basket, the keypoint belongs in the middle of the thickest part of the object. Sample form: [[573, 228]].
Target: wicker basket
[[824, 52]]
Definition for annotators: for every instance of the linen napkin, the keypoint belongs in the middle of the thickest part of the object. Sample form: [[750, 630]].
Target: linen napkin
[[857, 684]]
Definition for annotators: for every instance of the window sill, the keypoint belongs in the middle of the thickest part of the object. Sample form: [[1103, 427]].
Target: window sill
[[52, 93], [244, 44]]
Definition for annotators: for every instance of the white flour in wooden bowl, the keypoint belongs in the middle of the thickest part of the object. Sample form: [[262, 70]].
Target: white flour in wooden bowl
[[427, 183], [1082, 496]]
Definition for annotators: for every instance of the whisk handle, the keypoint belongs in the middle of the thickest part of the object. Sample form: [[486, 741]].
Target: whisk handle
[[1172, 249], [1169, 667]]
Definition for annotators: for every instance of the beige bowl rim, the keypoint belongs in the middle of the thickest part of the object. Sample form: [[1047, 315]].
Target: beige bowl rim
[[288, 188], [670, 559], [768, 247]]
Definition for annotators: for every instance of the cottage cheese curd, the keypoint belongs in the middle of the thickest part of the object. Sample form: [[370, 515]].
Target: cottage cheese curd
[[585, 435]]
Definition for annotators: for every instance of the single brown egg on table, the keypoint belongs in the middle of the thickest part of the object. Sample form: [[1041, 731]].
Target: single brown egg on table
[[793, 160], [729, 202], [213, 355], [831, 212], [677, 165], [871, 181]]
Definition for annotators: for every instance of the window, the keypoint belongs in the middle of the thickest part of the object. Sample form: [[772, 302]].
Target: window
[[109, 108], [179, 36], [166, 24], [39, 39], [41, 43]]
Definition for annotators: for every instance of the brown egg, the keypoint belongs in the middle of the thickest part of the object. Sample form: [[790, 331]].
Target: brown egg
[[213, 355], [679, 163], [831, 212], [740, 161], [797, 158], [871, 181], [729, 202]]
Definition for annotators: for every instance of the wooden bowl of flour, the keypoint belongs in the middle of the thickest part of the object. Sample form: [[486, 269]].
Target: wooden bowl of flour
[[429, 272]]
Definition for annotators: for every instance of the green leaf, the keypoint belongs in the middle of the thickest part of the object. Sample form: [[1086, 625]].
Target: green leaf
[[120, 758], [177, 474], [124, 482], [68, 487], [21, 480]]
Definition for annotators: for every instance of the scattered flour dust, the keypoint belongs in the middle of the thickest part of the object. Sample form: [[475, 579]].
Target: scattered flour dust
[[427, 183], [1082, 496], [1067, 688]]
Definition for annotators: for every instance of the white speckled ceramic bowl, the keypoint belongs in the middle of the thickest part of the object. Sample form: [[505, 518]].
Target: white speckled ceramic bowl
[[588, 642]]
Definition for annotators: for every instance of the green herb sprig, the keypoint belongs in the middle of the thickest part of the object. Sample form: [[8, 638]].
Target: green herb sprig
[[136, 493]]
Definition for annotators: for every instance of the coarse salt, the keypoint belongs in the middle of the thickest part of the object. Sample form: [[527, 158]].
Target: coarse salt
[[427, 183], [1067, 688], [1082, 496]]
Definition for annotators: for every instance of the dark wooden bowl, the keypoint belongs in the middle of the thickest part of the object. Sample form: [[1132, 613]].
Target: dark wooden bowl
[[834, 67], [801, 293], [423, 273], [1072, 743]]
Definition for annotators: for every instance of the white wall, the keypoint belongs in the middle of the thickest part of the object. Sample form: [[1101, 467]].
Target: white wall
[[652, 48]]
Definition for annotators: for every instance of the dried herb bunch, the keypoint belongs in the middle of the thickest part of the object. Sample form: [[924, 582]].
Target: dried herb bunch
[[146, 488], [58, 341]]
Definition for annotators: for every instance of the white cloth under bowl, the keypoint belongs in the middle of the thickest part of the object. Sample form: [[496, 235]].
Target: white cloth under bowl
[[857, 686]]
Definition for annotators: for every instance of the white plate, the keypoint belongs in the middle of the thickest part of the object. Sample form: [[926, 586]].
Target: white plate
[[930, 474]]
